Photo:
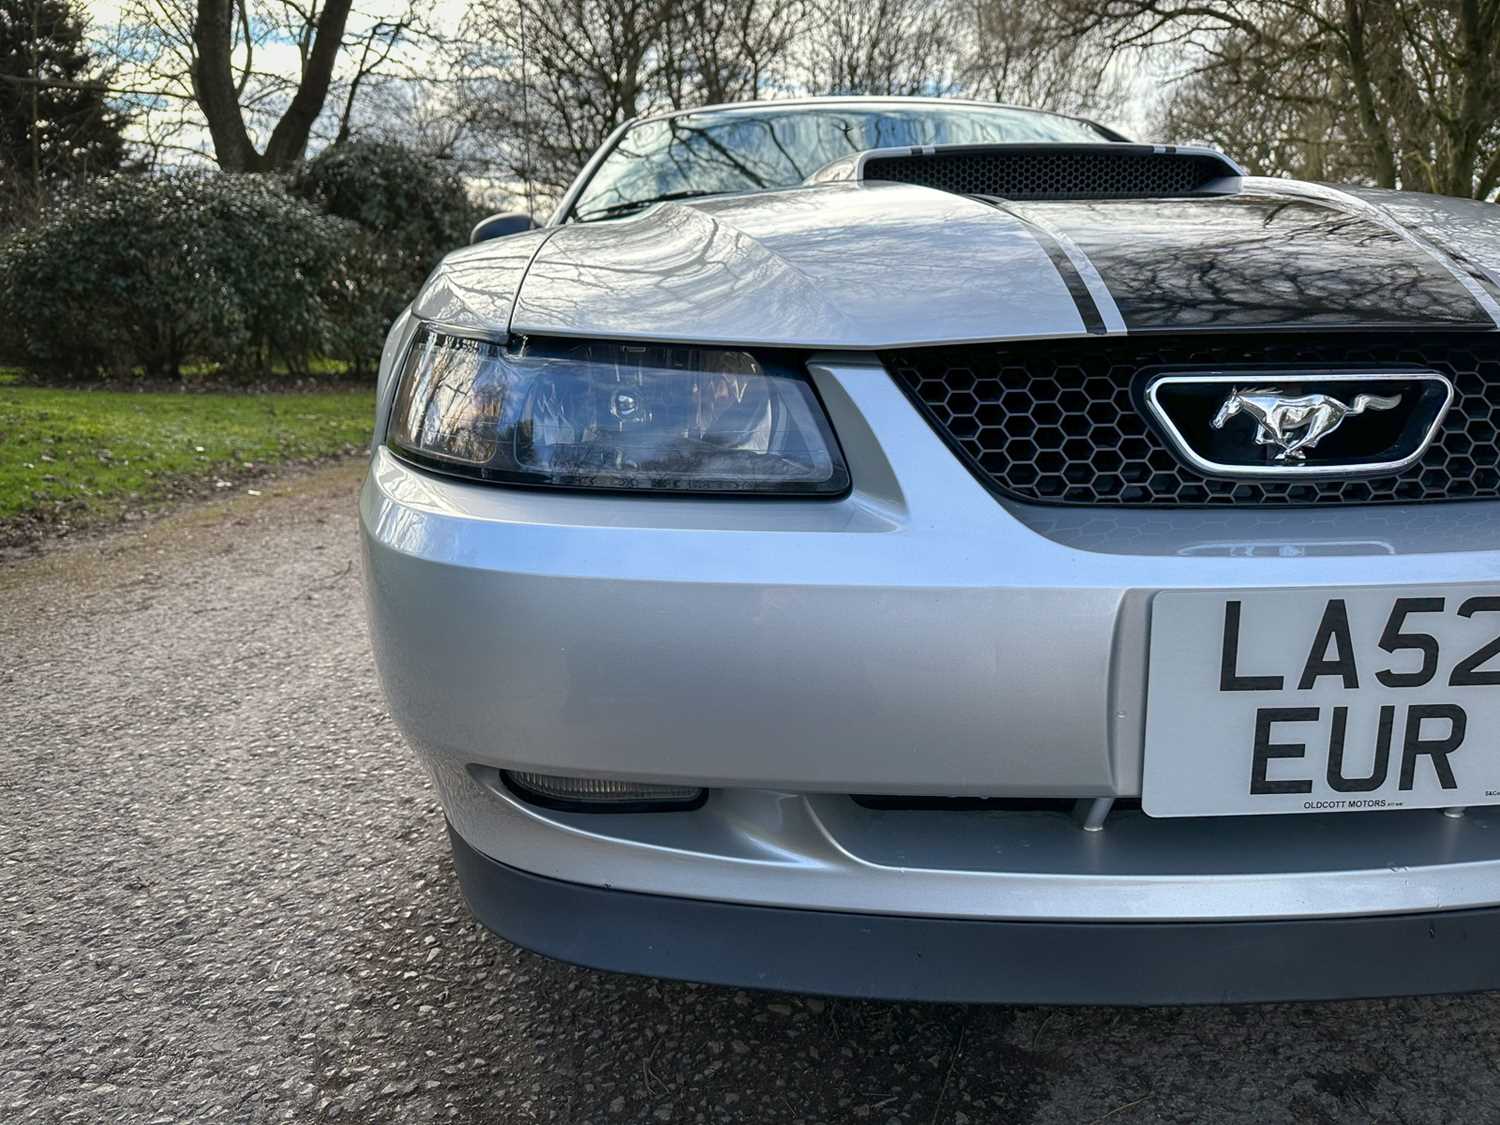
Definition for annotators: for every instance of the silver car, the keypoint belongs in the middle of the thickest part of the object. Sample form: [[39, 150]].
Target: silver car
[[929, 549]]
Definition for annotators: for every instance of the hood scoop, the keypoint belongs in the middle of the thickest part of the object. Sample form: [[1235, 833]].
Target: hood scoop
[[1049, 171]]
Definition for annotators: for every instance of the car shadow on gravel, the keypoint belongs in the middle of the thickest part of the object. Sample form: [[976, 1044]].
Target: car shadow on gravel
[[451, 1023]]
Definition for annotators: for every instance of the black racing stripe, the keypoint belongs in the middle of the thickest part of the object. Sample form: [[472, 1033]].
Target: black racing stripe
[[1088, 308], [1468, 265], [1259, 261]]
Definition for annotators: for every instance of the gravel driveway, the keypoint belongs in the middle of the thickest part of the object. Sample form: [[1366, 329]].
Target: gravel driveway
[[227, 896]]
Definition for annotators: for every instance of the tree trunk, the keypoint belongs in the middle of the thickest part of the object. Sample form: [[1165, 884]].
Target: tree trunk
[[36, 90], [289, 138], [1381, 151], [1476, 36], [213, 86], [218, 97]]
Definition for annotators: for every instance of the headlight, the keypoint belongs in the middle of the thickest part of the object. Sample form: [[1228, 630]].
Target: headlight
[[608, 415]]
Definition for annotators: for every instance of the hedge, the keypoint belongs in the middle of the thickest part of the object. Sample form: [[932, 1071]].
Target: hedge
[[153, 272], [411, 210]]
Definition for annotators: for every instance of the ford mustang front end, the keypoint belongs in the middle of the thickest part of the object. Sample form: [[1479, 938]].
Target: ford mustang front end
[[930, 550]]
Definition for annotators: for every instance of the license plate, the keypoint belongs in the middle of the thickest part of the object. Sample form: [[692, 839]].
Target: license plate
[[1282, 701]]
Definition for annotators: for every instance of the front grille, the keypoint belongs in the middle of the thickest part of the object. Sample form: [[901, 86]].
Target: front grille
[[1054, 173], [1058, 422]]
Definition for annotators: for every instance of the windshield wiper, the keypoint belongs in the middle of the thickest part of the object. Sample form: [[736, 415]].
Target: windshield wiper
[[619, 210]]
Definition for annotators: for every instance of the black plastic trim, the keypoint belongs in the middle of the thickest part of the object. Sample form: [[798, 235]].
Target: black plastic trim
[[903, 803], [1078, 170], [894, 957]]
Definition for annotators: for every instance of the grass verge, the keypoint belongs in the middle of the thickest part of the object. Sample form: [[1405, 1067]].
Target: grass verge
[[71, 458]]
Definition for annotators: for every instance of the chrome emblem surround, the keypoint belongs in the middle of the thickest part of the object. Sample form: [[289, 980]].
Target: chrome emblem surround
[[1295, 423]]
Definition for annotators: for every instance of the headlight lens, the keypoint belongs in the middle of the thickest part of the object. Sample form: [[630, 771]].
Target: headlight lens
[[608, 415]]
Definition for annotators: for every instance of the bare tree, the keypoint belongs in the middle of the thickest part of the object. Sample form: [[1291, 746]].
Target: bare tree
[[218, 92], [261, 78], [375, 48], [727, 50], [883, 47], [544, 82], [1023, 52], [1278, 114], [550, 79], [424, 112], [1411, 88]]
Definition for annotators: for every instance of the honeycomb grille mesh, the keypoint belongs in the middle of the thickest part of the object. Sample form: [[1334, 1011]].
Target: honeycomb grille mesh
[[1051, 175], [1057, 422]]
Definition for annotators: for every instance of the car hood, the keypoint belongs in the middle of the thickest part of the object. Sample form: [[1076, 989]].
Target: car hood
[[874, 265]]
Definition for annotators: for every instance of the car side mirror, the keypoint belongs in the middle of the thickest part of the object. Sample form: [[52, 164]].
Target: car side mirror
[[498, 226]]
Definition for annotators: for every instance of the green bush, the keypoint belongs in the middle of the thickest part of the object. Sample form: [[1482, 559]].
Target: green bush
[[417, 204], [245, 271], [155, 271], [412, 210]]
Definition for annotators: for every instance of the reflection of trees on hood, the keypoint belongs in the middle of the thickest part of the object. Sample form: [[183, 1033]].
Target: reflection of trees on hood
[[1257, 261]]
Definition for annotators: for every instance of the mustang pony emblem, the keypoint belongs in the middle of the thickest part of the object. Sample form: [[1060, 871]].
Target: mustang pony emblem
[[1295, 423]]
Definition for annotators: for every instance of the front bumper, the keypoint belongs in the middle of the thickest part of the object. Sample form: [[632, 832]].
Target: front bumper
[[890, 957], [915, 637]]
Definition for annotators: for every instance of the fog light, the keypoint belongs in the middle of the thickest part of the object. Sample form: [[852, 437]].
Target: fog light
[[600, 794]]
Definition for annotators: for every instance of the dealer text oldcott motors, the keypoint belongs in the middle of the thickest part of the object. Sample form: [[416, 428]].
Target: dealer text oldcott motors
[[914, 548]]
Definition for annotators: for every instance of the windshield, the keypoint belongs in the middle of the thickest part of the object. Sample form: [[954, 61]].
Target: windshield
[[750, 150]]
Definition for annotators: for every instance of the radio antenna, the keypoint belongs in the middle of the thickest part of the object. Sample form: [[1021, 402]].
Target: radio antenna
[[526, 120]]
